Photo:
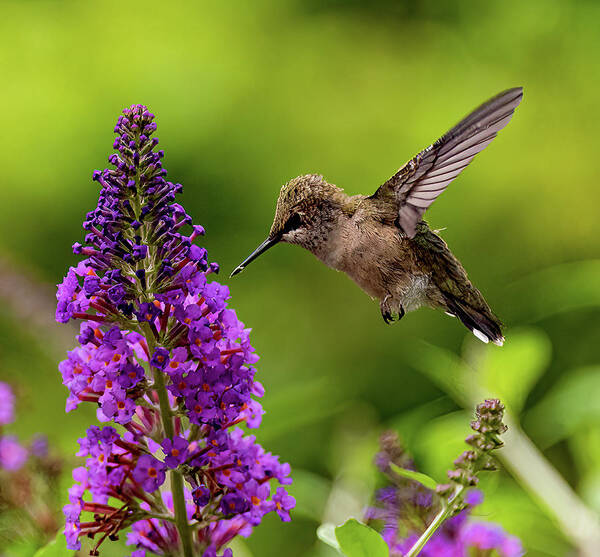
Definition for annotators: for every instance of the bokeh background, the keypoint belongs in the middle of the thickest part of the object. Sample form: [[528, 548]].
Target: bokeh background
[[250, 94]]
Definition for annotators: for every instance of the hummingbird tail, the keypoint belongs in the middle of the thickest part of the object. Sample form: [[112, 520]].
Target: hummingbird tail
[[480, 321]]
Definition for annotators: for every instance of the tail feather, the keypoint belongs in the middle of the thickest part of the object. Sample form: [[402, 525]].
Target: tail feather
[[455, 293], [482, 323]]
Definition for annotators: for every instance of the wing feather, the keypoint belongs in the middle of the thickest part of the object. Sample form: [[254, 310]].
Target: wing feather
[[421, 180]]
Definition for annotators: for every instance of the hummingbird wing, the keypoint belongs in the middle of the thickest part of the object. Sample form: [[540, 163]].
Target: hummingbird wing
[[418, 183]]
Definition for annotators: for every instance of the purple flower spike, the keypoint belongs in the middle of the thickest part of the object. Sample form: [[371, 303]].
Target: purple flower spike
[[162, 355]]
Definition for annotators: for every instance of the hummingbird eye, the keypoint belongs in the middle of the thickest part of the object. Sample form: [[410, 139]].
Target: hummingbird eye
[[293, 223]]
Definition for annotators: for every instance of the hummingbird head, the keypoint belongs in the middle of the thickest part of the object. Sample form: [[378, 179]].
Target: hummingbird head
[[306, 212]]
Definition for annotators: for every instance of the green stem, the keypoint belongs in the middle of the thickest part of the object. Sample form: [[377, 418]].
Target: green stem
[[435, 524], [176, 479]]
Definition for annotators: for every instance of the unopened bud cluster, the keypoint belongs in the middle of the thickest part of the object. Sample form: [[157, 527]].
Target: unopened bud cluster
[[488, 426]]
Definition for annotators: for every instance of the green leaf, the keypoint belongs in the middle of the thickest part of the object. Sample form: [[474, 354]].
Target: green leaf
[[326, 533], [56, 548], [423, 479], [358, 540]]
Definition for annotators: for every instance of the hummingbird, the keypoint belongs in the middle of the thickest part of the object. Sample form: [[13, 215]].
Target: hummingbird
[[381, 241]]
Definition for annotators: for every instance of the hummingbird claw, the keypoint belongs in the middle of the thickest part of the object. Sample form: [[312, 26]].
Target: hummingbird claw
[[387, 313]]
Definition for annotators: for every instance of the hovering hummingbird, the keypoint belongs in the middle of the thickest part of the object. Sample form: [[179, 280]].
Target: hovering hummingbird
[[381, 241]]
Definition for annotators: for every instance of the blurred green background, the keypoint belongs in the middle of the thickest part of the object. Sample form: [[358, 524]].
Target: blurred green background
[[250, 94]]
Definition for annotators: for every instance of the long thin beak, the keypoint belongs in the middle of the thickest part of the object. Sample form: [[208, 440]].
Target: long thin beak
[[268, 243]]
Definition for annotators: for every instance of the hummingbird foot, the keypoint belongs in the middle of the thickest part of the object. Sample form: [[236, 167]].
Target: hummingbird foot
[[387, 313]]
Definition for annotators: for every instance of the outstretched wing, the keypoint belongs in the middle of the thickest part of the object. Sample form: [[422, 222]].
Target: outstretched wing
[[418, 183]]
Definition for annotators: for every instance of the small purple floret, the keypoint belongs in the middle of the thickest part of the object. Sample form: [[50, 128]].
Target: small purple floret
[[149, 473], [12, 454], [7, 404]]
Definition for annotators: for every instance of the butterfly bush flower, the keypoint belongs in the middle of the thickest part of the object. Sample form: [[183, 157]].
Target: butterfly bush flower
[[165, 361], [7, 404], [407, 509]]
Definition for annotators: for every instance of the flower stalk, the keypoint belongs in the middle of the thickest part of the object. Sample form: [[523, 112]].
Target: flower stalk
[[447, 510], [166, 414]]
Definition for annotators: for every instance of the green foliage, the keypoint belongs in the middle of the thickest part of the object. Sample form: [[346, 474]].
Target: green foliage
[[571, 405], [326, 533], [311, 492], [56, 548], [423, 479], [440, 441], [358, 540], [23, 548], [555, 290], [353, 539]]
